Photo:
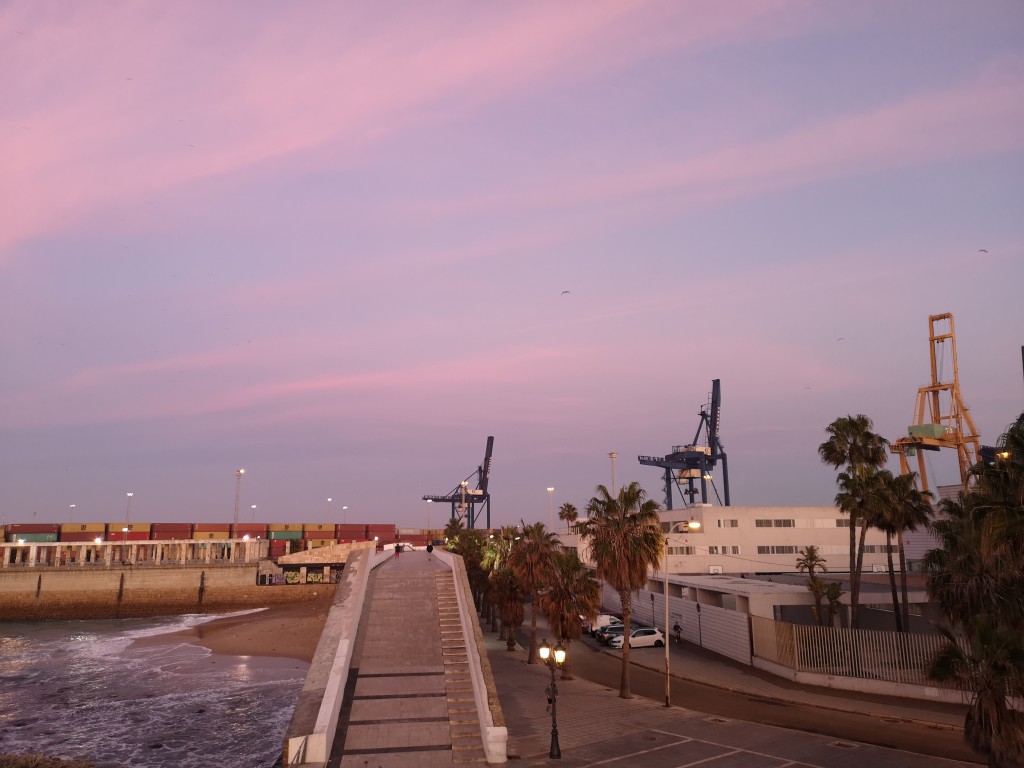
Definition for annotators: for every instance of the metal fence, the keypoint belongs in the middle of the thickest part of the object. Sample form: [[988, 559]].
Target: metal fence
[[862, 653]]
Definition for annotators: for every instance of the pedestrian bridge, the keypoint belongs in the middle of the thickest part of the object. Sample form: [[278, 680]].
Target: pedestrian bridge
[[400, 676]]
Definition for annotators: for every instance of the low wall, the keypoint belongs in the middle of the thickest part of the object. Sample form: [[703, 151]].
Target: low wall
[[130, 593]]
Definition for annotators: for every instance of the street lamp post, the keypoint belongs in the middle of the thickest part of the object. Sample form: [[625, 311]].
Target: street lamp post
[[330, 516], [613, 455], [551, 509], [692, 525], [71, 512], [554, 658], [253, 513], [238, 491], [127, 524], [430, 537]]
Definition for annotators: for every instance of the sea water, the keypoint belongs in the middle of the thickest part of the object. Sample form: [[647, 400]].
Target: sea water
[[79, 689]]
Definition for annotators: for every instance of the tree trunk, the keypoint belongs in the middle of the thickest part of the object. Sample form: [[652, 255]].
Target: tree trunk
[[903, 579], [855, 579], [853, 570], [892, 583], [531, 656], [627, 609]]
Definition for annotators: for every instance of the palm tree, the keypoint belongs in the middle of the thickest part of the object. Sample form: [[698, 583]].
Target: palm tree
[[510, 598], [834, 594], [897, 506], [988, 668], [624, 535], [810, 562], [452, 530], [532, 559], [976, 577], [568, 514], [852, 443], [574, 595]]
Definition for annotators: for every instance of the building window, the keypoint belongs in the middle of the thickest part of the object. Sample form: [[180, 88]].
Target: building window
[[842, 522], [784, 523], [712, 550], [728, 523], [777, 550], [681, 551], [762, 523], [735, 549]]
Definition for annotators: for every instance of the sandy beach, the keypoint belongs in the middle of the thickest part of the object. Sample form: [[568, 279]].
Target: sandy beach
[[289, 630]]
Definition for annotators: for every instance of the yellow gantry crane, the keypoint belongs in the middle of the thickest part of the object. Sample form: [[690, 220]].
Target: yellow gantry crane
[[941, 420]]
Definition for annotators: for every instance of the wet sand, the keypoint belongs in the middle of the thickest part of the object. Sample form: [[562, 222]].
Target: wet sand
[[288, 630]]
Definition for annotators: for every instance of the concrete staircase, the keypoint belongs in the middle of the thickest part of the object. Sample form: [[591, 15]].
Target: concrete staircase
[[463, 720]]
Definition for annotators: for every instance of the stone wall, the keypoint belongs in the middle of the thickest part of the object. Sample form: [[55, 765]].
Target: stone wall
[[57, 594]]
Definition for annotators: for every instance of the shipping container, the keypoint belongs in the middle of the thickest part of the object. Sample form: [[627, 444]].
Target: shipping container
[[206, 535], [170, 532], [31, 538], [20, 528], [285, 527], [314, 543], [117, 529], [318, 527], [95, 528], [170, 527], [211, 527], [82, 536], [254, 530], [115, 537], [289, 535]]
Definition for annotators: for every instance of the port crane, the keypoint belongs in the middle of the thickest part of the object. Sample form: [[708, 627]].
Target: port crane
[[463, 499], [691, 464], [941, 420]]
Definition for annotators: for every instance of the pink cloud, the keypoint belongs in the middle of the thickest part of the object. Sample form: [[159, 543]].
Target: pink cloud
[[115, 103]]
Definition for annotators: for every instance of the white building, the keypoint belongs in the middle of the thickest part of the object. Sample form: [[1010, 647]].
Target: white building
[[739, 540]]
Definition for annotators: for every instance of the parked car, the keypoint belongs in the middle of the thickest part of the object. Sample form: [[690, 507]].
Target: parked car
[[605, 634], [601, 621], [638, 638]]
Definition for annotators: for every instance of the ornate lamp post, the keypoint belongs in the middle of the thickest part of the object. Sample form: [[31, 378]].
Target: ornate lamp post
[[551, 509], [553, 658]]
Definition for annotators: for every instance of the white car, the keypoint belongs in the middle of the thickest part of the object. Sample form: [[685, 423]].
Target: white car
[[638, 638]]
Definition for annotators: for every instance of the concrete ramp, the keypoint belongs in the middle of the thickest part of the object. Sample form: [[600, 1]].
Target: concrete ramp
[[417, 687]]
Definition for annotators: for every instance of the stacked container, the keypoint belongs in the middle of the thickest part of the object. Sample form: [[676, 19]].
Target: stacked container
[[206, 531], [82, 531], [136, 532], [33, 532], [252, 530], [350, 532], [314, 543], [383, 533], [287, 531], [170, 531]]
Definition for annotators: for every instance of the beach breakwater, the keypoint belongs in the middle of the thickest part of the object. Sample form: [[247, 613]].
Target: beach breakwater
[[135, 592]]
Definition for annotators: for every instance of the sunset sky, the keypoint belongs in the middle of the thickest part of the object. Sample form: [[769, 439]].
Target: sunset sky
[[340, 244]]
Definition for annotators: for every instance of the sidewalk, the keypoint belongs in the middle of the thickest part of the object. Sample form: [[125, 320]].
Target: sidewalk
[[597, 727]]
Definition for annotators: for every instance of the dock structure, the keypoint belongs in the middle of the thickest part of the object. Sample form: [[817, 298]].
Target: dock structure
[[35, 554], [401, 675]]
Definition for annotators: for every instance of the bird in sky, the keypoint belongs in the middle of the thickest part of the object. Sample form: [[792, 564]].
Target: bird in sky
[[982, 250], [565, 292]]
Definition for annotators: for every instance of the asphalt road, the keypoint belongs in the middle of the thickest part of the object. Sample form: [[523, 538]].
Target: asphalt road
[[604, 668]]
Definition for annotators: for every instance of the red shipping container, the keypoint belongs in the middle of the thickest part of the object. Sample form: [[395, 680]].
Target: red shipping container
[[115, 537], [80, 536], [171, 527], [212, 527]]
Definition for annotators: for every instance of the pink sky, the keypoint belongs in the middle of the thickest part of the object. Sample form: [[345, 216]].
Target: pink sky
[[329, 244]]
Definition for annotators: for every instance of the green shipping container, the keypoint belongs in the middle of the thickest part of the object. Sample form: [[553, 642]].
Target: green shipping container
[[31, 537], [291, 535]]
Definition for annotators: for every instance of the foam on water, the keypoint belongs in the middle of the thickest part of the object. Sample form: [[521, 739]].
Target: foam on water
[[77, 689]]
